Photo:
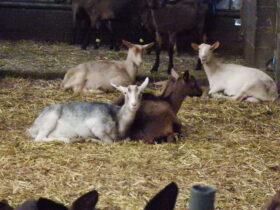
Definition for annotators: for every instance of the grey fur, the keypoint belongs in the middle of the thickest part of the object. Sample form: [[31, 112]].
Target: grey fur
[[75, 114]]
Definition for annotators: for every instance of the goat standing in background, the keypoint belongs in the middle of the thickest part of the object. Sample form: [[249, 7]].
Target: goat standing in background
[[156, 118], [234, 81], [98, 75], [171, 20], [89, 120], [120, 17]]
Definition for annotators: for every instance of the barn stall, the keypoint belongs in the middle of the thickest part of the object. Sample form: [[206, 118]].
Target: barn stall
[[228, 145]]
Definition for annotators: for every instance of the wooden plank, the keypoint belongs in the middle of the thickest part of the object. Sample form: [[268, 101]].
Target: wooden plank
[[277, 52]]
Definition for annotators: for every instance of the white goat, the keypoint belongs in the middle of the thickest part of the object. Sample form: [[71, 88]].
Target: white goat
[[94, 120], [98, 75], [237, 82]]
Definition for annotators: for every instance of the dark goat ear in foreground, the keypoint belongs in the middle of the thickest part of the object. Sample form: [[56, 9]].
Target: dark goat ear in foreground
[[46, 204], [275, 202], [5, 206], [87, 201], [165, 199]]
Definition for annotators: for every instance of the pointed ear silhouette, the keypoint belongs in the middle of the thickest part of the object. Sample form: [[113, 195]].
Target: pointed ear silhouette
[[5, 206], [46, 204], [165, 199], [87, 201]]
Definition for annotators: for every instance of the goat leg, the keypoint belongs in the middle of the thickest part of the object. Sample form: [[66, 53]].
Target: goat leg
[[158, 50], [172, 42], [87, 36]]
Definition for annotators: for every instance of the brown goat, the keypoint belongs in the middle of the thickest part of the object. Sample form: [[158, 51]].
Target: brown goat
[[274, 203], [156, 118]]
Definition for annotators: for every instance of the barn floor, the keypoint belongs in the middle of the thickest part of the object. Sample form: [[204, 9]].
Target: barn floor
[[231, 146]]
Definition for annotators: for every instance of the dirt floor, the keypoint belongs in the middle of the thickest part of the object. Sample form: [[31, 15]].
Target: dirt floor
[[231, 146]]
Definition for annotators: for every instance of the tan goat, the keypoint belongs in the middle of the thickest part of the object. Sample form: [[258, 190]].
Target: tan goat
[[98, 75]]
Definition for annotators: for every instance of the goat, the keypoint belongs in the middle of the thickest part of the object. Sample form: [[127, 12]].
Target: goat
[[236, 82], [156, 118], [171, 20], [274, 203], [115, 13], [165, 199], [87, 201], [98, 75], [106, 122]]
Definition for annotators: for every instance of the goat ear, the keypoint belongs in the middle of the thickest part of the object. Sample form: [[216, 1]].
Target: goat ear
[[175, 74], [46, 204], [215, 45], [165, 199], [186, 76], [87, 201], [144, 84], [147, 46], [5, 206], [195, 46], [127, 44], [119, 88]]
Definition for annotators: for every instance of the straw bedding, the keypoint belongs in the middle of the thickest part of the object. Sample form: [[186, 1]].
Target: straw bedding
[[231, 146]]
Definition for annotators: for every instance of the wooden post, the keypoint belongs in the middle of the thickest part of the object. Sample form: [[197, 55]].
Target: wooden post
[[277, 52]]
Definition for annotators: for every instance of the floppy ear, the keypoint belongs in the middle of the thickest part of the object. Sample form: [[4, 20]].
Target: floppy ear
[[175, 74], [127, 44], [46, 204], [186, 76], [195, 46], [5, 206], [147, 46], [87, 201], [144, 84], [165, 199], [215, 45], [119, 88]]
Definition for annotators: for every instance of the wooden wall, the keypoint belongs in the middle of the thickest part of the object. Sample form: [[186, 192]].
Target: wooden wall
[[53, 23], [277, 53], [259, 25]]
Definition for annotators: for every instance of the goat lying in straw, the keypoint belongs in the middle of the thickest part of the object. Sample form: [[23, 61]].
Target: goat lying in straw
[[95, 120], [156, 118], [98, 75], [236, 82]]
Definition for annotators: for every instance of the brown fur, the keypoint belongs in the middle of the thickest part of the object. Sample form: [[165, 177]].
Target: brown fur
[[156, 118], [274, 203]]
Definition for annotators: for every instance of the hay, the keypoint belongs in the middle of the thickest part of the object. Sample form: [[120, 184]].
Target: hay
[[231, 146]]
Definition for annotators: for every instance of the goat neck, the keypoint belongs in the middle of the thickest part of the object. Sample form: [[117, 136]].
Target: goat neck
[[125, 119], [175, 99], [131, 65], [210, 68]]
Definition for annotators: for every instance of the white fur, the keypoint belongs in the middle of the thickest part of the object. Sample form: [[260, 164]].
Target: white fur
[[236, 81], [88, 120]]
